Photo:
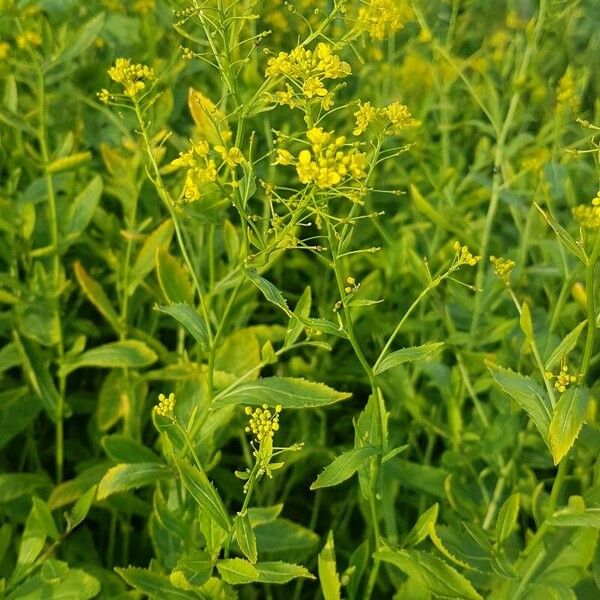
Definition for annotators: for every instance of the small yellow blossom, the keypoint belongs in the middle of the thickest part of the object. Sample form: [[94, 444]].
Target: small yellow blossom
[[381, 18], [263, 423], [28, 39], [143, 7], [4, 50], [284, 157], [589, 215], [464, 256], [131, 76], [562, 379], [231, 157], [567, 97], [503, 268], [364, 116], [166, 405]]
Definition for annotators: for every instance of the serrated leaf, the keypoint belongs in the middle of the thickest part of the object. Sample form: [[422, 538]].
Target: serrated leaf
[[566, 345], [82, 507], [190, 319], [203, 491], [567, 419], [343, 467], [525, 322], [130, 476], [589, 517], [270, 292], [126, 353], [420, 531], [328, 576], [124, 449], [507, 517], [431, 572], [302, 310], [280, 572], [245, 536], [414, 353], [77, 585], [237, 571], [155, 585], [290, 392], [528, 394]]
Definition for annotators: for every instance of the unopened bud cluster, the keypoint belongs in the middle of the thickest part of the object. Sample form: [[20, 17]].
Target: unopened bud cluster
[[263, 423], [166, 405]]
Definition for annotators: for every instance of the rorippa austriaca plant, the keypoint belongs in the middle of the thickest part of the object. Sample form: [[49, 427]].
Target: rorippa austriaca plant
[[302, 302]]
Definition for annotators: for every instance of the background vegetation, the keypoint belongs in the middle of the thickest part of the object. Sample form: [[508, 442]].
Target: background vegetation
[[357, 241]]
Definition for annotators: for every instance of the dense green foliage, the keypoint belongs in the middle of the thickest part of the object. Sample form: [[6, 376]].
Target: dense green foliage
[[299, 299]]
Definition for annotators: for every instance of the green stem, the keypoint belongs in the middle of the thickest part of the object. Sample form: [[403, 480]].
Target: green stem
[[591, 308], [54, 242]]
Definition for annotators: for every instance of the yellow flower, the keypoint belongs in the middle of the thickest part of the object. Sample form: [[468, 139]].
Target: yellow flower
[[29, 38], [313, 87], [263, 423], [231, 157], [131, 76], [503, 268], [381, 18], [364, 116], [166, 405], [562, 379], [284, 157], [464, 256], [588, 215]]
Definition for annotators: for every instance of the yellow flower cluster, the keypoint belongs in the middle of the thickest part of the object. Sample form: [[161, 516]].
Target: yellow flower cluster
[[131, 76], [589, 215], [381, 18], [326, 164], [143, 7], [27, 39], [566, 93], [263, 423], [391, 120], [351, 285], [536, 161], [305, 72], [503, 268], [464, 256], [202, 169], [166, 405], [562, 379]]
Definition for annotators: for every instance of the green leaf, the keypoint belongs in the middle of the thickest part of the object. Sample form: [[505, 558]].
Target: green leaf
[[97, 296], [566, 345], [155, 585], [302, 310], [427, 209], [18, 409], [190, 319], [17, 485], [70, 491], [567, 420], [328, 576], [196, 566], [431, 573], [203, 491], [84, 38], [525, 322], [123, 449], [290, 392], [343, 467], [145, 260], [237, 571], [528, 394], [246, 538], [507, 517], [270, 292], [129, 476], [44, 518], [589, 517], [38, 376], [123, 354], [173, 278], [414, 353], [564, 236], [422, 527], [280, 572], [84, 206], [76, 585], [82, 507], [283, 539]]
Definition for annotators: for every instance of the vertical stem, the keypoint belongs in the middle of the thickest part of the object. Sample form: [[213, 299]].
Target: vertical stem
[[591, 307], [54, 239]]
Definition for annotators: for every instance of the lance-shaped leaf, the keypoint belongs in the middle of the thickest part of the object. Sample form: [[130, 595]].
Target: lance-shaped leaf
[[328, 576], [290, 392], [411, 354], [129, 476], [245, 536], [237, 571], [190, 319], [154, 585], [203, 491], [567, 420], [343, 467], [280, 572], [528, 394]]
